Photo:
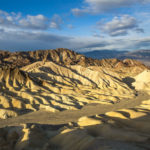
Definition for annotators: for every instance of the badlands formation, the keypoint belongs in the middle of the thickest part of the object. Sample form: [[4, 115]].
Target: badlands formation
[[59, 99]]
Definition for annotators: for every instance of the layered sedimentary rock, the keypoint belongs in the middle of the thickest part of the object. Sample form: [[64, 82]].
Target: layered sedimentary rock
[[64, 57], [142, 81], [58, 80], [53, 87], [122, 129], [62, 80]]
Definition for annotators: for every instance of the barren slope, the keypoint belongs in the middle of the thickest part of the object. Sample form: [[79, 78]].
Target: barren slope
[[126, 129], [62, 80], [54, 87], [66, 90]]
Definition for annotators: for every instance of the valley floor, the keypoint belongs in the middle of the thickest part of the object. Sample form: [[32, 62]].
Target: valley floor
[[63, 117], [121, 126]]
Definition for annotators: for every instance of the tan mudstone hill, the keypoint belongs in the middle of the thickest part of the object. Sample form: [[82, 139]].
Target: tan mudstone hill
[[142, 81], [61, 79], [125, 129], [53, 87]]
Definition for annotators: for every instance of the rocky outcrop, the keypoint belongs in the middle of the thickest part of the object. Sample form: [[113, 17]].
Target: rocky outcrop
[[63, 57], [53, 87], [62, 80], [58, 80]]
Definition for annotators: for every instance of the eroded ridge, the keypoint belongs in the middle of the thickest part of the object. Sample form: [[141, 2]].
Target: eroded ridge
[[55, 87], [56, 80]]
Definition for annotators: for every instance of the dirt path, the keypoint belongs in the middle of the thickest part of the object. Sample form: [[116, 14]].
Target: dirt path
[[44, 117]]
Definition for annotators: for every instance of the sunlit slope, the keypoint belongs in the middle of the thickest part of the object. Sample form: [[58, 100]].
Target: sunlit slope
[[55, 87], [142, 81], [81, 82], [125, 129]]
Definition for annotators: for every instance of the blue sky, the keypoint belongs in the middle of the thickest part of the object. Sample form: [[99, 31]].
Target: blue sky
[[81, 25]]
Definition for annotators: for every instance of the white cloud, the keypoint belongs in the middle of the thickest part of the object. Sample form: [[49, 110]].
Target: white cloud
[[32, 32], [34, 22], [3, 13], [38, 22], [120, 26], [70, 26], [53, 25], [12, 40], [101, 6], [56, 22]]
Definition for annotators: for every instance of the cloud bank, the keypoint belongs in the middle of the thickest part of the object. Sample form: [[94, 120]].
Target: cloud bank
[[103, 6], [30, 32], [120, 26]]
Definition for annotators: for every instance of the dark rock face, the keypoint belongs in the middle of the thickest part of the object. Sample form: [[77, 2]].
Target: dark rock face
[[60, 56]]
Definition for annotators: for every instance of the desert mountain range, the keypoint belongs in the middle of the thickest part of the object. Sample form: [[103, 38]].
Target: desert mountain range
[[60, 99], [141, 55]]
